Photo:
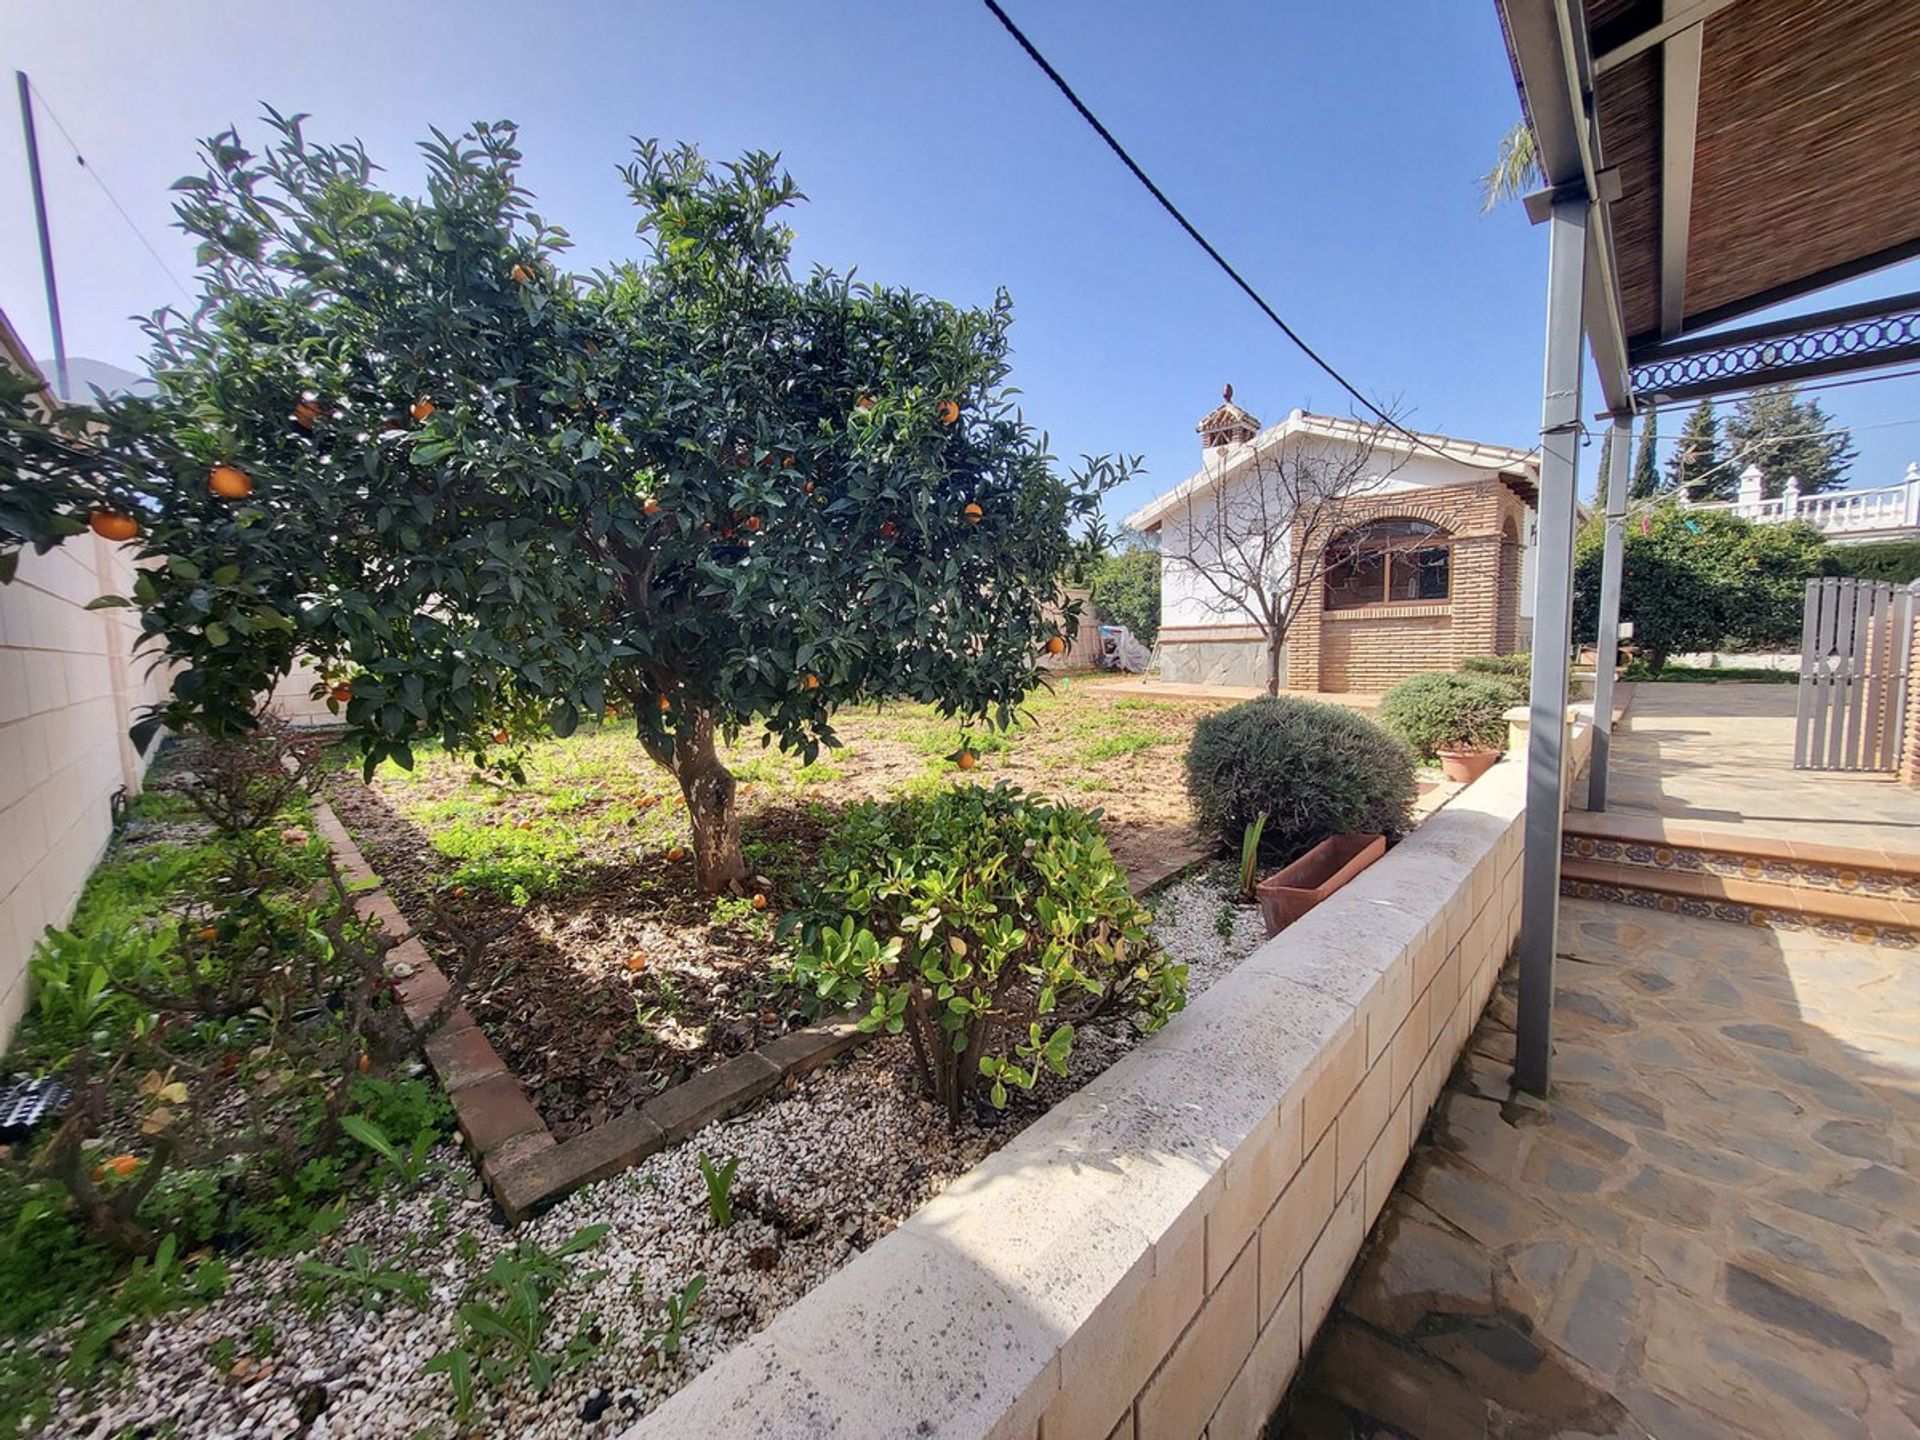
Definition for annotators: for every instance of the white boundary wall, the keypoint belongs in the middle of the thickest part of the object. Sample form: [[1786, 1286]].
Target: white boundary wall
[[69, 690], [1152, 1257]]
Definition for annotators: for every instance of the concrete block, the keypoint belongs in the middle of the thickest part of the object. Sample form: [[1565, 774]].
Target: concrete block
[[1334, 1079], [1332, 1255], [1189, 1387], [1110, 1356], [1262, 1383], [1360, 1123], [1387, 1007], [1290, 1229], [1388, 1158], [1252, 1181]]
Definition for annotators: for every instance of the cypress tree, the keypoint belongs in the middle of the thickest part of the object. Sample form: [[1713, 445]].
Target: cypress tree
[[1696, 465], [1645, 482]]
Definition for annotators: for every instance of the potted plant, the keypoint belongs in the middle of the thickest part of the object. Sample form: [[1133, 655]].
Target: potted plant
[[1291, 892], [1460, 719]]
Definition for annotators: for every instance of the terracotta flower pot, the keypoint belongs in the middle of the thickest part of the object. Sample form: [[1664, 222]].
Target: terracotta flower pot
[[1289, 893], [1466, 764]]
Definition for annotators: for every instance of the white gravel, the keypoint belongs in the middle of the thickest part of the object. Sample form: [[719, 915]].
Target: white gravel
[[825, 1171]]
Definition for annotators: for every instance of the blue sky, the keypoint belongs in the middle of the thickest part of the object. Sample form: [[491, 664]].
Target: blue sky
[[1330, 150]]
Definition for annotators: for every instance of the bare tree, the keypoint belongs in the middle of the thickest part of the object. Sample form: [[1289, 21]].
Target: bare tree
[[1261, 538]]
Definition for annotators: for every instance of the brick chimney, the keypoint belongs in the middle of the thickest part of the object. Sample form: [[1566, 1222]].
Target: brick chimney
[[1225, 425]]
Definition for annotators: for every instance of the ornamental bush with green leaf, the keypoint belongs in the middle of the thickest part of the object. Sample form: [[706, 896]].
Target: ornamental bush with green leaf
[[489, 496], [1441, 710], [1694, 579], [1314, 769], [986, 925]]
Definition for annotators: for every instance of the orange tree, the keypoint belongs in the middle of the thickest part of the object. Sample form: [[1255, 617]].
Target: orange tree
[[489, 497]]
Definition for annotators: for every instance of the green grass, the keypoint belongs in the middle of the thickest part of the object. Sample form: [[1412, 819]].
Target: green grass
[[1123, 742]]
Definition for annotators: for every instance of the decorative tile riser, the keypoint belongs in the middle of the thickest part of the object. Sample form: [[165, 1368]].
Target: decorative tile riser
[[1885, 884], [1760, 916]]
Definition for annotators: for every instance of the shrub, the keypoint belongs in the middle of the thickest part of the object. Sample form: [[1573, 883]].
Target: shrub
[[1701, 580], [1126, 591], [1514, 672], [1437, 708], [986, 925], [1517, 666], [1315, 769], [1895, 560]]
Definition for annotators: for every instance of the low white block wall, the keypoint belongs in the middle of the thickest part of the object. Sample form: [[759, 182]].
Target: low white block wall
[[292, 699], [70, 687], [1151, 1257]]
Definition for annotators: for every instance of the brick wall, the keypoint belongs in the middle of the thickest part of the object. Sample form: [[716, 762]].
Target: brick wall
[[1909, 771], [1152, 1257], [69, 690], [1370, 649]]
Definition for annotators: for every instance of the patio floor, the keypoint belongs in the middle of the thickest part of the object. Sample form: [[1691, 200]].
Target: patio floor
[[1713, 1229], [1723, 755]]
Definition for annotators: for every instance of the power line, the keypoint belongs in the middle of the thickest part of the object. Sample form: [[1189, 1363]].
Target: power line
[[112, 199], [1193, 231]]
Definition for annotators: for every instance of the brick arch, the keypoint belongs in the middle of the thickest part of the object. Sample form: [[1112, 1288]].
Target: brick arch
[[1423, 514]]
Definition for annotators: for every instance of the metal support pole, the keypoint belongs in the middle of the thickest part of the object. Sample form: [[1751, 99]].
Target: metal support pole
[[1607, 642], [1552, 635], [46, 238]]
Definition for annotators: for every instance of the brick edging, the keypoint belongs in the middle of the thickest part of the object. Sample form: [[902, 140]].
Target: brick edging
[[520, 1161]]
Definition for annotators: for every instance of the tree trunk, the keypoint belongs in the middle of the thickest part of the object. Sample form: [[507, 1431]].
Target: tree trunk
[[1275, 640], [708, 788]]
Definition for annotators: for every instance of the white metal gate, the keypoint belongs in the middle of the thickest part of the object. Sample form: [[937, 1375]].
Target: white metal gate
[[1855, 643]]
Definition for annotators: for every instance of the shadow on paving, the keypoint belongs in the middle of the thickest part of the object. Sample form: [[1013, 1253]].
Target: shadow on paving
[[1712, 1229]]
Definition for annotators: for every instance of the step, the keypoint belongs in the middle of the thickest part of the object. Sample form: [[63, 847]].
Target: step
[[1842, 915], [1732, 852]]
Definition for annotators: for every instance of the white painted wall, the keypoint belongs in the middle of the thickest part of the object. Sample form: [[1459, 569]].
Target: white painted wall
[[1188, 598], [69, 689]]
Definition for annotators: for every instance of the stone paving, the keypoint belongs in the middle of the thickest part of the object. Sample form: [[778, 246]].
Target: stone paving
[[1722, 754], [1711, 1230]]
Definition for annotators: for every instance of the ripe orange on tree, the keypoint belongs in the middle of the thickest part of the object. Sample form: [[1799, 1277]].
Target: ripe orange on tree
[[1055, 645], [753, 522], [916, 351], [949, 412], [341, 693], [809, 682], [500, 737], [229, 482], [974, 514], [759, 902], [650, 507], [676, 853], [422, 410], [665, 703], [121, 1165], [966, 759], [110, 525], [206, 934]]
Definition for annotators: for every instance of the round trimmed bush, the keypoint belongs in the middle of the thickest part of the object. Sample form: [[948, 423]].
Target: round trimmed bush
[[1437, 708], [1314, 769], [1517, 666]]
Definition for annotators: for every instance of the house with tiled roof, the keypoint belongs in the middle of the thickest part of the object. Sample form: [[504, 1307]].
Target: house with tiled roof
[[1417, 553]]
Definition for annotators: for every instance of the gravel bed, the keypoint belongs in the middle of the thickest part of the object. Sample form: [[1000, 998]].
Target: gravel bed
[[825, 1171]]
